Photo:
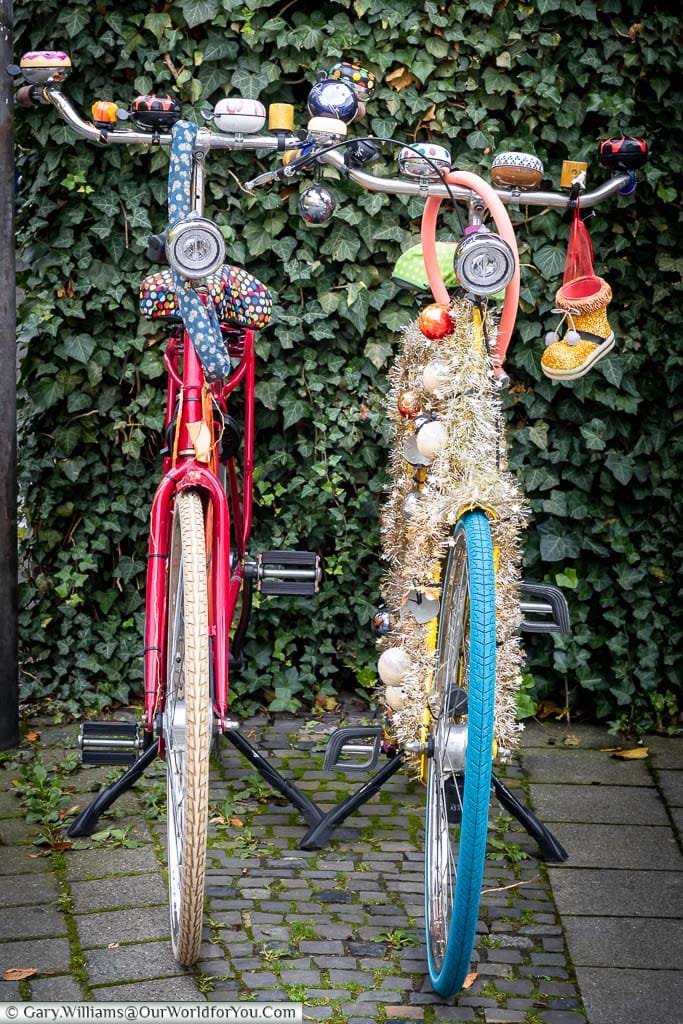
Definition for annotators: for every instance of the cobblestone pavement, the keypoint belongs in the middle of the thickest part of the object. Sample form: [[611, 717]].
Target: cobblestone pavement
[[599, 939]]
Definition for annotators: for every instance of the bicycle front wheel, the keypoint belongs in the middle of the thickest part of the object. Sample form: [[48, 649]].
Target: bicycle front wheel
[[460, 750], [187, 723]]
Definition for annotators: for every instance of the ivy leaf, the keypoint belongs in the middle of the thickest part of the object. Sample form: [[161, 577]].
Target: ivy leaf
[[79, 347], [556, 546], [198, 12], [74, 20], [378, 352], [294, 411], [550, 261], [593, 433], [620, 466]]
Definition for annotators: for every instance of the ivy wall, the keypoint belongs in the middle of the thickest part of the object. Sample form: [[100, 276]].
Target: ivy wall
[[598, 459]]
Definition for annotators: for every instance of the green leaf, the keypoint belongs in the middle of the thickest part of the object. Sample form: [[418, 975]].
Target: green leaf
[[593, 433], [620, 466], [198, 12], [550, 261], [294, 410], [79, 347]]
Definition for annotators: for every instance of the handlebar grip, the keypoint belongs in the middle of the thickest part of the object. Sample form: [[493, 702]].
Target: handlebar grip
[[26, 96]]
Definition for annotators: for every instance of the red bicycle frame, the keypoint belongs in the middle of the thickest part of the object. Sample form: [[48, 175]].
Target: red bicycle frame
[[191, 402]]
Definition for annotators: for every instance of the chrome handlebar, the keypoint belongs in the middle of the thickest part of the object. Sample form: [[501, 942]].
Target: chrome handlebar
[[208, 140]]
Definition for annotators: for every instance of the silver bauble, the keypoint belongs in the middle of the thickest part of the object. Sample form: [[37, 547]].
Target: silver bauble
[[316, 204]]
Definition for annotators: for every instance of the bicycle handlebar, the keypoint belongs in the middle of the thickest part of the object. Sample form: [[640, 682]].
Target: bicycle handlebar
[[208, 140]]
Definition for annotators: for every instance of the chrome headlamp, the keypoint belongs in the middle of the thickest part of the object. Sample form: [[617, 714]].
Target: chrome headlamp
[[195, 247], [484, 263]]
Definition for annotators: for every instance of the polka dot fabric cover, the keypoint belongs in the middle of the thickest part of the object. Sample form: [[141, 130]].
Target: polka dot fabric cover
[[238, 297]]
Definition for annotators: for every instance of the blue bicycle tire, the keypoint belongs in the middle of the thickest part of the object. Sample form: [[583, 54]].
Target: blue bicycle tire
[[467, 621]]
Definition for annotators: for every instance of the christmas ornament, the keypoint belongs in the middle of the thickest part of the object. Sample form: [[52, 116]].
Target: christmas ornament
[[396, 697], [435, 321], [435, 375], [431, 438], [316, 204], [408, 404], [381, 622], [411, 504], [411, 452], [393, 665]]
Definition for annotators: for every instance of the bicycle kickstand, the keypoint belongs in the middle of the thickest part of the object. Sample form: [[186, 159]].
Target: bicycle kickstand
[[551, 848]]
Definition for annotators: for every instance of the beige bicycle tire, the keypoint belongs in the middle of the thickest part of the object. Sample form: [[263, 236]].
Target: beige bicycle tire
[[186, 880]]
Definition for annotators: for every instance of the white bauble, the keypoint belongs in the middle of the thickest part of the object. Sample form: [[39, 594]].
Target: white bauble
[[396, 698], [431, 438], [435, 375], [393, 665]]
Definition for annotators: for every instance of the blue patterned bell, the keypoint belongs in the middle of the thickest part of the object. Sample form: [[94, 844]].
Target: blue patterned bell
[[333, 99], [316, 204]]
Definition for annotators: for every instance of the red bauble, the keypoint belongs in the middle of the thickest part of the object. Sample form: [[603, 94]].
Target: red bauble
[[409, 404], [435, 321]]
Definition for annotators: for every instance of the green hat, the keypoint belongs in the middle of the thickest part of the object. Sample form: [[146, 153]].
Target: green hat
[[410, 272]]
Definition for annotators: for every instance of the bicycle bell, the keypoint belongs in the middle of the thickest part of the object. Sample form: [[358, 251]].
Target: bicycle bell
[[484, 262], [195, 247]]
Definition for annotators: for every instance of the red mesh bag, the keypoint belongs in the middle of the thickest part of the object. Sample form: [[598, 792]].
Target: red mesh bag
[[579, 260]]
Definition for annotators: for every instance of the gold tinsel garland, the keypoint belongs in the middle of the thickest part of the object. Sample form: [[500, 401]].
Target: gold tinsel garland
[[468, 469]]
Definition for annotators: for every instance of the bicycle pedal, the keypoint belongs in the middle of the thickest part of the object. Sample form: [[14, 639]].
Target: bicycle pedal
[[545, 610], [282, 573], [353, 748], [112, 743]]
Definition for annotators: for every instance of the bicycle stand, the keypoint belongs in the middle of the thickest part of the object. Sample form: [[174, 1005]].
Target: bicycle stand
[[321, 825]]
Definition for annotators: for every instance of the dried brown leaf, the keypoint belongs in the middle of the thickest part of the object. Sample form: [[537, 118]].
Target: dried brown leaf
[[32, 735], [571, 741], [633, 754], [237, 822], [470, 979], [400, 78], [19, 973]]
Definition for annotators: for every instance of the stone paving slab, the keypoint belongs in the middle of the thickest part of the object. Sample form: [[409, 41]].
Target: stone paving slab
[[645, 942], [16, 860], [62, 989], [129, 891], [31, 923], [619, 846], [574, 766], [54, 955], [612, 893], [86, 864], [182, 988], [618, 996], [18, 890], [599, 804], [133, 925], [671, 783], [136, 962]]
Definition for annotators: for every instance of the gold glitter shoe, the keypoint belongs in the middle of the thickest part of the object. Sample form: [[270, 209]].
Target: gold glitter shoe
[[583, 303]]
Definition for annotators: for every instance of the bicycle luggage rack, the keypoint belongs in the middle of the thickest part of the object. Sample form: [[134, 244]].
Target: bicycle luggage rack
[[321, 825]]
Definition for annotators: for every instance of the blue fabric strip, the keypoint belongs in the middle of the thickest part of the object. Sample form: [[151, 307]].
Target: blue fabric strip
[[201, 322]]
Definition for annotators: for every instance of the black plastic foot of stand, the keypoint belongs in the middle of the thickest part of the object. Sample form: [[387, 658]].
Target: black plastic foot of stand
[[86, 822], [550, 847]]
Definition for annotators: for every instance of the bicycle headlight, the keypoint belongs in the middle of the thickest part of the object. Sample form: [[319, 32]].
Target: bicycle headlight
[[195, 247], [484, 263]]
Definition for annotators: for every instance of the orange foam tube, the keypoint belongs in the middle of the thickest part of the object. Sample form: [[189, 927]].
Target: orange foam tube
[[506, 231]]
